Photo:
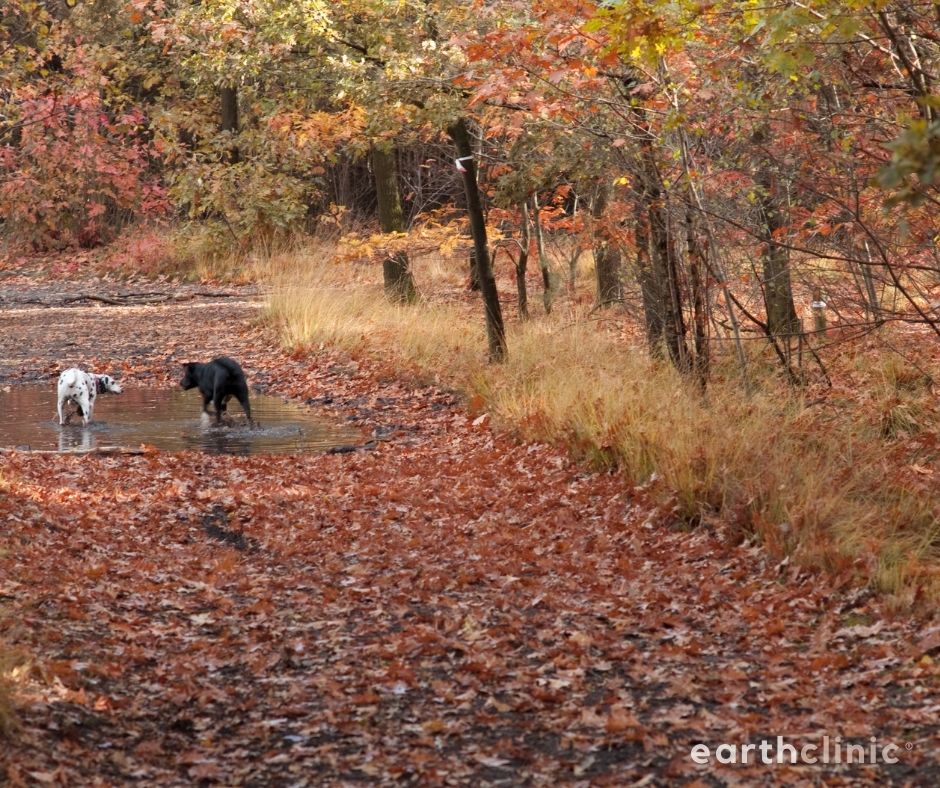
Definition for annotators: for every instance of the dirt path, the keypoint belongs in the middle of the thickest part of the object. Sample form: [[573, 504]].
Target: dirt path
[[450, 607]]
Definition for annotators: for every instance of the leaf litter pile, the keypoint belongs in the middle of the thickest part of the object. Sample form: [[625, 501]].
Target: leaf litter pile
[[448, 606]]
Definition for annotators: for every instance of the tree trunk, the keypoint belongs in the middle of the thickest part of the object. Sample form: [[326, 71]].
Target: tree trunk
[[523, 262], [874, 306], [474, 272], [229, 119], [782, 319], [396, 272], [698, 284], [548, 281], [575, 255], [495, 330], [819, 311], [666, 293], [607, 258], [652, 315]]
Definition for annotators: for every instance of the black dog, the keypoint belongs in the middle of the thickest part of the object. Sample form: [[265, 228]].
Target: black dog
[[218, 381]]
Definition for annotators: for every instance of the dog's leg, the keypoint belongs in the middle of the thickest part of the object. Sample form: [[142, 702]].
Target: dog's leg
[[242, 396], [61, 414], [218, 402], [81, 399]]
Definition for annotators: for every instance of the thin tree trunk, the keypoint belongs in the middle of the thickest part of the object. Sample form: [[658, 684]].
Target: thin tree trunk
[[874, 307], [229, 118], [607, 259], [575, 255], [396, 272], [665, 276], [819, 311], [698, 281], [495, 330], [782, 319], [523, 262], [652, 314], [474, 272], [712, 260], [548, 281]]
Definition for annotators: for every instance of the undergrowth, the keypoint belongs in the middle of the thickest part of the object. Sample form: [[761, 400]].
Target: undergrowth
[[196, 252], [7, 716], [814, 480], [12, 666]]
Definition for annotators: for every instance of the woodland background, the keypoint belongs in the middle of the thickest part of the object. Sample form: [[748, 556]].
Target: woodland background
[[727, 210]]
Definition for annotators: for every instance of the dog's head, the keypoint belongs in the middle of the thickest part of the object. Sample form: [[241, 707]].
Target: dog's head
[[190, 379], [107, 383]]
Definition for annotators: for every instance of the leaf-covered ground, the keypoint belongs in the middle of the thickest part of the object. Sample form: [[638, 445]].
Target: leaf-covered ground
[[448, 607]]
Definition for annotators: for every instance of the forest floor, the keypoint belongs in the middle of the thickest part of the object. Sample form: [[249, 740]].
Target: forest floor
[[447, 607]]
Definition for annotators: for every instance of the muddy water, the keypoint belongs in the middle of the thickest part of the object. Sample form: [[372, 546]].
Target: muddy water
[[169, 419]]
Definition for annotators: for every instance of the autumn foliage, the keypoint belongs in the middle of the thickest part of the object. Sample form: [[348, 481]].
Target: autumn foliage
[[76, 175]]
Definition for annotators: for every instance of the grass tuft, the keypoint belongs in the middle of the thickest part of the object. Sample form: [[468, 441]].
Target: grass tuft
[[11, 664]]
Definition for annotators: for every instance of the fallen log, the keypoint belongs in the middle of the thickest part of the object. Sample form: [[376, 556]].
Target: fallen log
[[102, 450], [128, 299]]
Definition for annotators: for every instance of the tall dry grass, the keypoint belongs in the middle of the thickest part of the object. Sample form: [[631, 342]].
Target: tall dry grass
[[12, 666], [7, 715], [807, 480]]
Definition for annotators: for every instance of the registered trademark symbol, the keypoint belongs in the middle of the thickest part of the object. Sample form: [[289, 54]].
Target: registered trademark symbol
[[909, 745]]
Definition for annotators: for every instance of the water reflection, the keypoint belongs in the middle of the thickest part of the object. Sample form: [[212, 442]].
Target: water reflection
[[76, 437]]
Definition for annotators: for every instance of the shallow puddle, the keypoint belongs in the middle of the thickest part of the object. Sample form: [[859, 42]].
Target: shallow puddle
[[170, 419]]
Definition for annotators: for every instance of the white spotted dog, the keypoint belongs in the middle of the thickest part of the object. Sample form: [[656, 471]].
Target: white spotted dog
[[80, 387]]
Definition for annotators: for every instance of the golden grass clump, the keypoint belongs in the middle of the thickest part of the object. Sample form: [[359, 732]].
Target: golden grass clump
[[10, 662]]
